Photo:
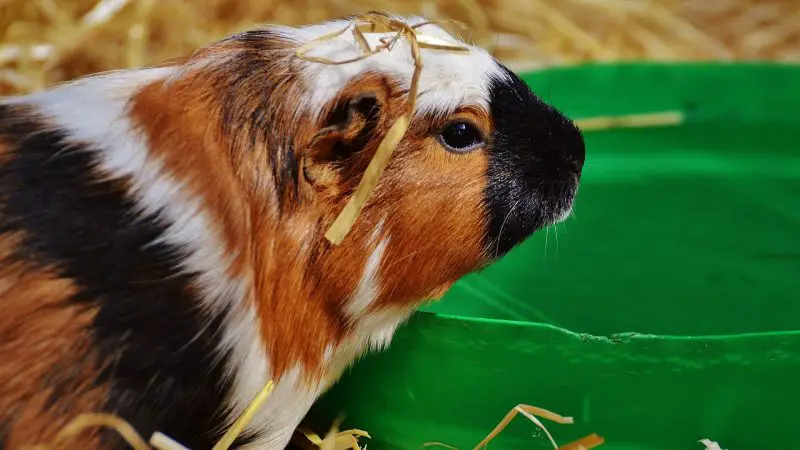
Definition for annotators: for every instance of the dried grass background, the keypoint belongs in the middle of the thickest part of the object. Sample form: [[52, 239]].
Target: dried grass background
[[47, 41]]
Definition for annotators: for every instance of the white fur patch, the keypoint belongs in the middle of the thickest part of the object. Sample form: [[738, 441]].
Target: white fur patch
[[368, 287], [373, 333], [373, 330], [293, 397], [448, 80], [282, 412]]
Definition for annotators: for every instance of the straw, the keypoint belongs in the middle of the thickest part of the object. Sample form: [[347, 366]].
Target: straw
[[334, 439], [94, 420], [158, 441], [48, 41], [161, 441], [631, 121], [586, 443], [344, 222], [530, 412], [241, 423]]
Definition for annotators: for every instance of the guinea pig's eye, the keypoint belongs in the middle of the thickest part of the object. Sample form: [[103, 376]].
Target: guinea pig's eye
[[461, 137]]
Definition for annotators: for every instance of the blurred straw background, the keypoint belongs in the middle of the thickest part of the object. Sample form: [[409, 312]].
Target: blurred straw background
[[48, 41]]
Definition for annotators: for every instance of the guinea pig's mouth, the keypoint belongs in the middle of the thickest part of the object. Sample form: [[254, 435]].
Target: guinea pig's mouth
[[545, 200], [565, 214], [556, 200]]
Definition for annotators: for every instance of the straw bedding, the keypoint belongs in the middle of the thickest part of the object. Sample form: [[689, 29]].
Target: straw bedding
[[47, 41]]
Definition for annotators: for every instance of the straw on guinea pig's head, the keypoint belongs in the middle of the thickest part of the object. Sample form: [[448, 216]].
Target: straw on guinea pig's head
[[297, 171]]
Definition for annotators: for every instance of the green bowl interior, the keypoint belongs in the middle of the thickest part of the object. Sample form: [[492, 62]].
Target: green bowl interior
[[684, 237], [689, 230]]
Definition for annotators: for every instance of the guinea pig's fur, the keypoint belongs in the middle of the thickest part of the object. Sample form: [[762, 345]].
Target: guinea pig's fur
[[162, 250]]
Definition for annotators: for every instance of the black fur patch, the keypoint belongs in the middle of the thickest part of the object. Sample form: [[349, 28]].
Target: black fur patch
[[164, 372], [248, 95], [535, 159]]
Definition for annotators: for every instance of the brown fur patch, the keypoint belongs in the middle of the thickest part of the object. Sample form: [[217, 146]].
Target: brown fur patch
[[48, 367], [438, 216], [432, 203]]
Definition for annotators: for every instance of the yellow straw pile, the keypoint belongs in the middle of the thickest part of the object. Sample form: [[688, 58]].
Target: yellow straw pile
[[47, 41]]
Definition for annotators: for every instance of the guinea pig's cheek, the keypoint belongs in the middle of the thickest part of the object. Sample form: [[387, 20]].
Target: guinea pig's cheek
[[435, 222]]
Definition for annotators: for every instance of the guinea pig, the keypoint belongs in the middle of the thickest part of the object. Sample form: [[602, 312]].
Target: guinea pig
[[162, 249]]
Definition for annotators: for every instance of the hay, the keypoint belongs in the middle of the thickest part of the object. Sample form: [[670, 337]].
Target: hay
[[158, 441], [245, 418], [530, 412], [333, 440], [631, 121], [48, 41]]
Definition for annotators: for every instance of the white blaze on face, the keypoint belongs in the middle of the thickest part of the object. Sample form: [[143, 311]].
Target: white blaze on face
[[368, 287], [449, 79]]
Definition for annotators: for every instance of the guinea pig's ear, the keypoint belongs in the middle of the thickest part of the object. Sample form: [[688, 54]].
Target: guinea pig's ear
[[336, 149]]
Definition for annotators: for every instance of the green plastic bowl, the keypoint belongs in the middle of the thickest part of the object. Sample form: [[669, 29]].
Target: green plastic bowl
[[666, 311]]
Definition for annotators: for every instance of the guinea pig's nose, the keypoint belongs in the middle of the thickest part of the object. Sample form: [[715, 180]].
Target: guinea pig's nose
[[573, 148], [576, 153]]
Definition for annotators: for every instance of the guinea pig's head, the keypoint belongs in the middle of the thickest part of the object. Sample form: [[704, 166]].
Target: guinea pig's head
[[483, 165]]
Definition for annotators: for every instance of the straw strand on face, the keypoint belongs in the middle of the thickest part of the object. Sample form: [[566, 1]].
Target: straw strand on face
[[344, 222]]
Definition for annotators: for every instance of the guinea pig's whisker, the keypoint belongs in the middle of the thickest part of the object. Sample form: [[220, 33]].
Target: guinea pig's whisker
[[555, 230], [503, 225], [546, 238]]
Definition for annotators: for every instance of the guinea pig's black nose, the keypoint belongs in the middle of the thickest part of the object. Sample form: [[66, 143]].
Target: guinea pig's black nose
[[575, 148], [565, 140]]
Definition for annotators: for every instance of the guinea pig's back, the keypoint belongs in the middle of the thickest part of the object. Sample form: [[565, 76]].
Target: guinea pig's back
[[49, 365], [97, 314]]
